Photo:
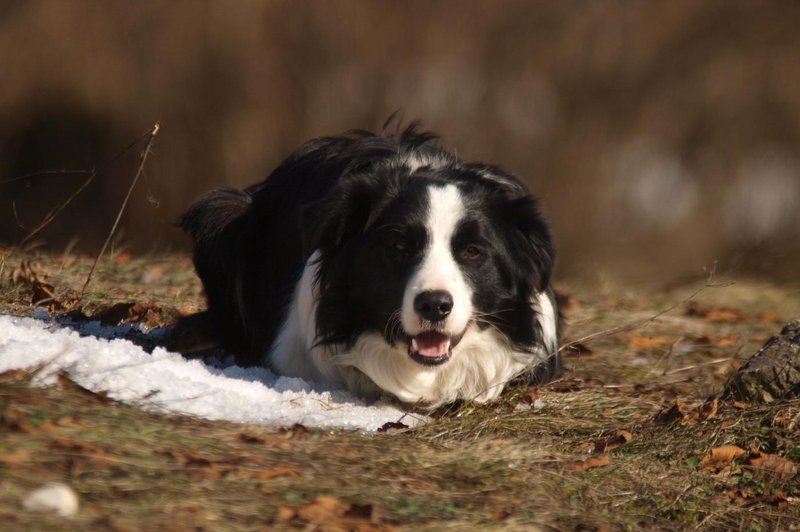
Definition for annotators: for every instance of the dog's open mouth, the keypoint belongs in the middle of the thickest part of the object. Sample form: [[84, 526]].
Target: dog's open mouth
[[431, 348]]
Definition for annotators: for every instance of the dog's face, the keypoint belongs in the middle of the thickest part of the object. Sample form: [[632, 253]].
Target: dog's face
[[427, 259]]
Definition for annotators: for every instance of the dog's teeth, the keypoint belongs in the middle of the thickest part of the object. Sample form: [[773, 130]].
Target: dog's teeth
[[447, 347], [414, 346]]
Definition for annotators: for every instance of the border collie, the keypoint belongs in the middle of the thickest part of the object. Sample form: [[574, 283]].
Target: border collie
[[384, 264]]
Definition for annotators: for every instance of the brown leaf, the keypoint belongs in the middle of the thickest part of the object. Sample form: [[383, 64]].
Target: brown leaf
[[778, 500], [772, 465], [42, 293], [771, 317], [590, 463], [611, 442], [322, 509], [670, 415], [127, 313], [14, 457], [704, 412], [714, 314], [643, 343], [45, 294], [329, 513], [728, 340], [721, 456], [744, 497], [708, 410]]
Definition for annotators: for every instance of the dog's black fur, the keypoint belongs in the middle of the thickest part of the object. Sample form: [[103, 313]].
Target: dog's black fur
[[352, 198]]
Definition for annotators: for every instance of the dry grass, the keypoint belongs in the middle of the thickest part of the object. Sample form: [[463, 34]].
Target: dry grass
[[497, 466]]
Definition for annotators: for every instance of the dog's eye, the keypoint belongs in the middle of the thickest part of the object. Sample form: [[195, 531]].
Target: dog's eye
[[471, 252], [400, 246]]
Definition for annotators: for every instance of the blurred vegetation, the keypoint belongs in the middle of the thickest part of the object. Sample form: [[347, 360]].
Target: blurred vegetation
[[662, 136]]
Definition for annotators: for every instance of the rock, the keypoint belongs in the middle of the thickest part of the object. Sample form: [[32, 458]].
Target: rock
[[55, 497], [773, 373]]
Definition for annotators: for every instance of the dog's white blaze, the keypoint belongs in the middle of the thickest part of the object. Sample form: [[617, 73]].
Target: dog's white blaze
[[438, 269]]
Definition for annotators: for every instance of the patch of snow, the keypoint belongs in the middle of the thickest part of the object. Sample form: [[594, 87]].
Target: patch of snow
[[55, 497], [168, 382]]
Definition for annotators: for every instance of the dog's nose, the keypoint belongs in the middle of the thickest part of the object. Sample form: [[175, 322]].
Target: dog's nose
[[433, 305]]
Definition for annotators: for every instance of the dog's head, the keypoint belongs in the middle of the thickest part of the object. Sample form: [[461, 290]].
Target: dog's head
[[425, 251]]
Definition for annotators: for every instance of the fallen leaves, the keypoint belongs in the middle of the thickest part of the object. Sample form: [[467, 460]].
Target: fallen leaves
[[609, 442], [645, 343], [720, 457], [745, 497], [147, 313], [728, 314], [332, 514], [772, 465], [602, 460], [688, 416], [726, 458], [43, 294], [599, 450]]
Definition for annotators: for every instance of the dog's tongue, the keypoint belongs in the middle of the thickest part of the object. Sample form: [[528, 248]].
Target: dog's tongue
[[431, 344]]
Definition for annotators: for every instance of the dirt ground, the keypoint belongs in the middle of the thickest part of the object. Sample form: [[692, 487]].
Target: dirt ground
[[633, 435]]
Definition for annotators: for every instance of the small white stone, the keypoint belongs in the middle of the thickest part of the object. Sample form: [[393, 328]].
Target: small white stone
[[55, 497]]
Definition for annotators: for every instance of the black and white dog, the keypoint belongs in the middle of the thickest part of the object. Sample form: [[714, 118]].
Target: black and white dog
[[385, 264]]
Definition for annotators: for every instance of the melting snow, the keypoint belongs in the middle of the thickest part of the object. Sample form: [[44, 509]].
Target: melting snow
[[167, 382]]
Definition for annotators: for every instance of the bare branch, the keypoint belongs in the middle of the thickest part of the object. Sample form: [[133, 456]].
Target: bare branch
[[142, 159]]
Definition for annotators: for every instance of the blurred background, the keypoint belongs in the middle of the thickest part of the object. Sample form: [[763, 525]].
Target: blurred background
[[663, 137]]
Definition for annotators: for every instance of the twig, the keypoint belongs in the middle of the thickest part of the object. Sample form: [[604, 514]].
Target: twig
[[55, 212], [52, 214], [142, 158], [41, 173], [693, 366], [45, 221]]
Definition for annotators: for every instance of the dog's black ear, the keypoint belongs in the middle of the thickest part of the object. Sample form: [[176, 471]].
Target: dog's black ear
[[533, 237], [329, 224], [521, 211]]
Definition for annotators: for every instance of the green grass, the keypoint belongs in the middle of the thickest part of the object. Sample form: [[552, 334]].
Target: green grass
[[493, 466]]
